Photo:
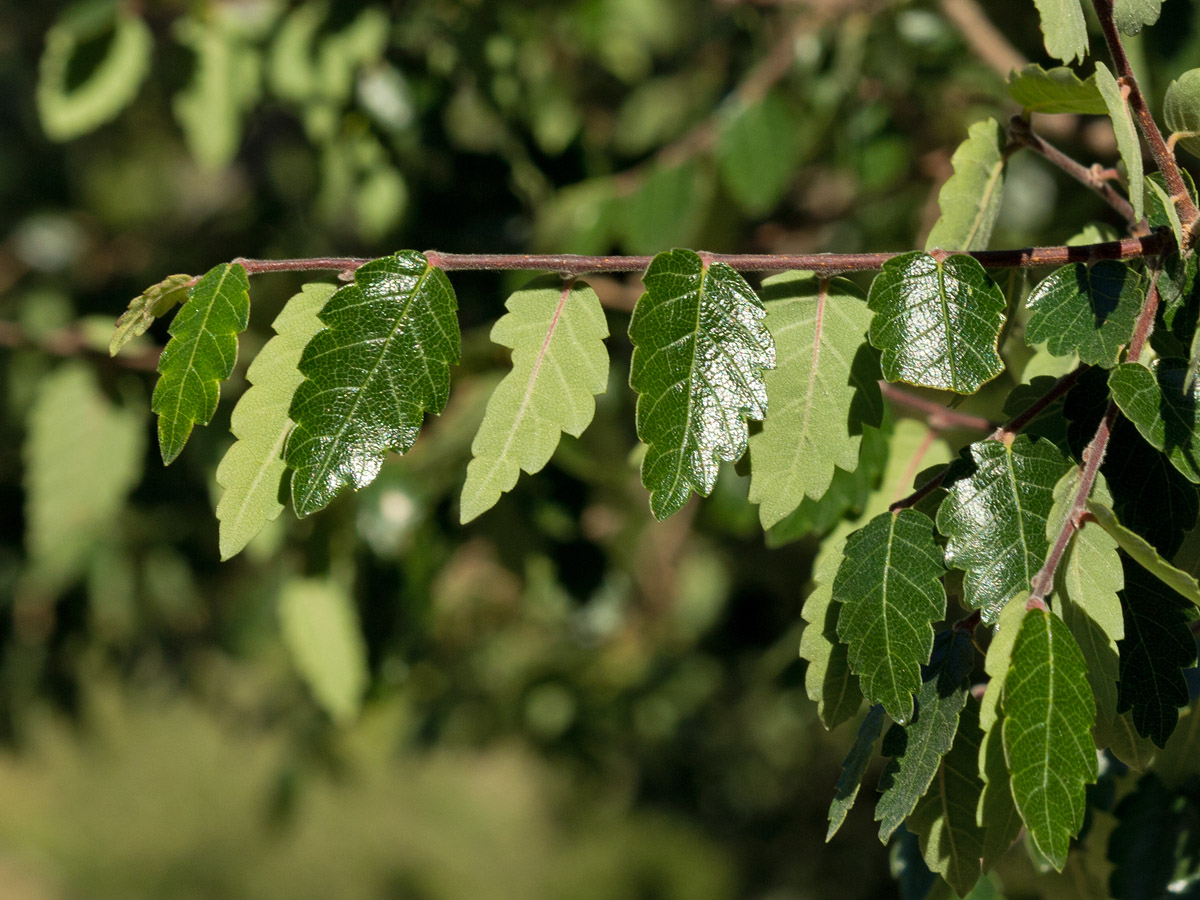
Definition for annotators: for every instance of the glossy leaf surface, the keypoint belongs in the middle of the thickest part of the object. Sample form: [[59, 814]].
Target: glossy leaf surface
[[970, 199], [1086, 310], [1181, 109], [1155, 402]]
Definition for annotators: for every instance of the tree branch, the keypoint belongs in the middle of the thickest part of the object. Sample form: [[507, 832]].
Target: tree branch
[[72, 342], [938, 417]]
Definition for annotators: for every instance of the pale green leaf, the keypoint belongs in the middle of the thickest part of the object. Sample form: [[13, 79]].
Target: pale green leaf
[[970, 199], [700, 348], [668, 208], [889, 588], [152, 303], [756, 152], [1119, 736], [1086, 310], [1181, 109], [1179, 761], [854, 767], [320, 629], [1144, 554], [1132, 15], [556, 332], [252, 468], [1127, 136], [822, 398], [828, 680], [1064, 29], [1057, 90]]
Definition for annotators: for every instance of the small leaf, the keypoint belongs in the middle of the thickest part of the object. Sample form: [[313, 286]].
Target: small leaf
[[854, 767], [970, 199], [937, 323], [822, 399], [1181, 109], [889, 588], [1064, 29], [699, 351], [1158, 644], [1162, 201], [1086, 310], [322, 635], [1048, 717], [200, 354], [1057, 90], [1119, 736], [252, 468], [994, 517], [371, 375], [757, 151], [152, 303], [68, 111], [1154, 401], [1141, 551], [917, 748], [828, 680], [556, 332], [1127, 137], [1132, 15]]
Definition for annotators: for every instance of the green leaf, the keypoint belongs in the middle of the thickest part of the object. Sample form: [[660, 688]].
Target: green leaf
[[1158, 644], [994, 517], [828, 680], [1048, 717], [699, 351], [944, 820], [1119, 736], [321, 633], [668, 208], [1132, 15], [823, 393], [889, 588], [917, 748], [1144, 847], [1127, 137], [970, 199], [200, 354], [756, 153], [1144, 554], [1154, 401], [937, 323], [1064, 29], [1057, 90], [854, 767], [556, 332], [252, 468], [152, 303], [69, 110], [82, 457], [1181, 109], [1179, 762], [382, 361], [1086, 310]]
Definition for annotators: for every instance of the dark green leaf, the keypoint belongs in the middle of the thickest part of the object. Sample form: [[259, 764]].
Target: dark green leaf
[[1064, 29], [1087, 310], [997, 813], [1057, 90], [1145, 554], [200, 354], [1127, 136], [917, 748], [1179, 762], [994, 517], [1050, 423], [383, 360], [1048, 717], [854, 767], [1155, 402], [937, 323], [1181, 109], [700, 348], [889, 588], [152, 303], [970, 199], [1143, 846], [828, 679]]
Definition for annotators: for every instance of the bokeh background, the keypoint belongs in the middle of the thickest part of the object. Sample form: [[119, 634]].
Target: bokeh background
[[563, 699]]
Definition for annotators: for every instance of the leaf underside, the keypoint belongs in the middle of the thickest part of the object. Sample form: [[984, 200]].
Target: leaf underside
[[1064, 29], [828, 680], [1127, 137], [1057, 90]]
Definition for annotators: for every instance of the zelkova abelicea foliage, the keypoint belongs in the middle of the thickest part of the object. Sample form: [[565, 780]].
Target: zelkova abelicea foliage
[[1041, 557]]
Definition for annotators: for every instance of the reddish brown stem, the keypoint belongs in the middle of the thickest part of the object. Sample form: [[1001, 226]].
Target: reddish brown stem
[[1010, 430], [937, 416]]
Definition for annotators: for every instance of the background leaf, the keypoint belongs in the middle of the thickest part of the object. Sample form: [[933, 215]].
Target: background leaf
[[937, 323], [1181, 110], [970, 199], [854, 767], [822, 398], [200, 355], [1127, 136], [1057, 90], [556, 332], [383, 360], [1086, 310], [1144, 846], [1064, 29], [828, 679], [1153, 399], [252, 468], [700, 349], [757, 153]]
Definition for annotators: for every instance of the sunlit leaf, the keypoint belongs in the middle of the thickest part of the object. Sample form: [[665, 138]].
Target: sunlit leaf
[[1057, 90], [322, 635], [1181, 109], [700, 348], [1127, 137], [970, 199], [854, 767], [152, 303], [1064, 29], [1154, 401], [1086, 310], [828, 680]]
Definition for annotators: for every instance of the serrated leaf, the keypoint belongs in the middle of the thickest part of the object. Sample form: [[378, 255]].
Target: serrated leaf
[[1057, 90], [828, 680], [970, 199], [889, 588], [252, 468], [68, 111], [1048, 717], [944, 819], [1064, 29], [1086, 310], [937, 323], [918, 747], [1154, 401], [321, 633], [994, 517], [1158, 644], [152, 303], [382, 361], [854, 767], [756, 153], [699, 351], [556, 332], [200, 355], [822, 398], [1144, 847], [1181, 109], [1132, 15], [1127, 138], [1119, 736], [1144, 554], [82, 457]]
